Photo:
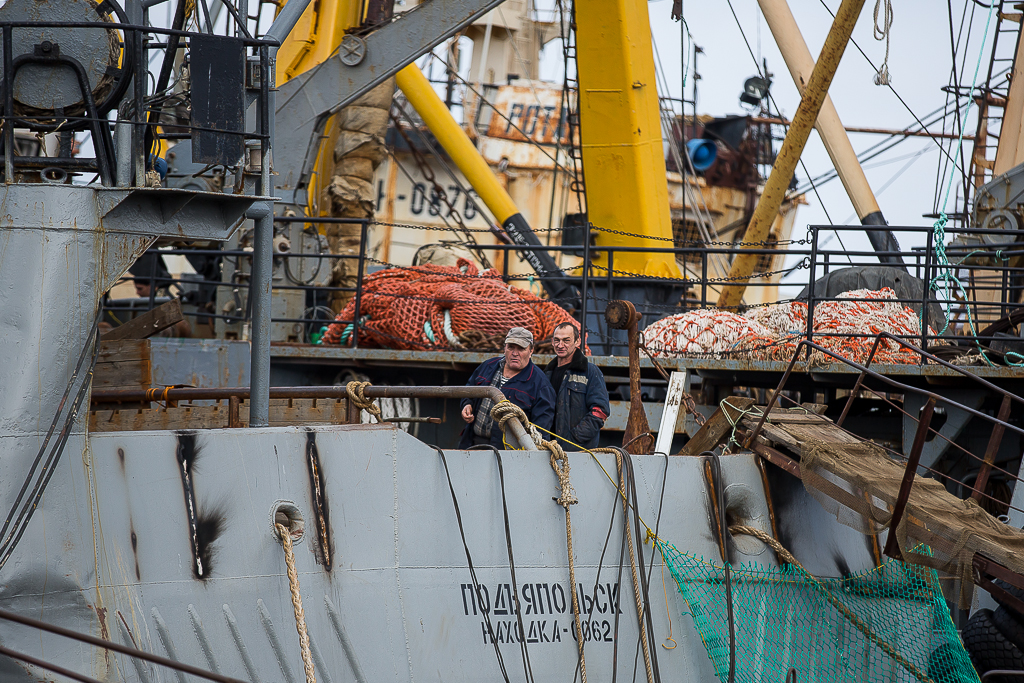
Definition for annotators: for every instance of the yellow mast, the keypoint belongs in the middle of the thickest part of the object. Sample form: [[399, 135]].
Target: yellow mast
[[620, 130]]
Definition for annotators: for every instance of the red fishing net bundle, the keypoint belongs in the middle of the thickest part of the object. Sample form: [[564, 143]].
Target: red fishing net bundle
[[433, 306]]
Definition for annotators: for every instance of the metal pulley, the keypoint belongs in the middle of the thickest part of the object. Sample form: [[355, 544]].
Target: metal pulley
[[63, 68]]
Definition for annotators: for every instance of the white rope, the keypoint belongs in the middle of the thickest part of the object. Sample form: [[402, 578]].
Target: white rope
[[882, 33], [300, 616]]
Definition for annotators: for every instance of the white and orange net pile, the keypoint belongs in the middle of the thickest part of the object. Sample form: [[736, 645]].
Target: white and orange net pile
[[844, 325]]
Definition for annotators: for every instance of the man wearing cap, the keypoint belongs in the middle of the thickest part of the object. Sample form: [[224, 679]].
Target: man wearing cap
[[581, 406], [519, 380]]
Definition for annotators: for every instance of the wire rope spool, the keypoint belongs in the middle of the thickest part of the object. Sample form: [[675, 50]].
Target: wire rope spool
[[64, 67]]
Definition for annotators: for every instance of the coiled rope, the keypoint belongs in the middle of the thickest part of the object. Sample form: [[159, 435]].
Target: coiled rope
[[502, 412], [354, 391], [300, 616], [881, 32], [857, 622]]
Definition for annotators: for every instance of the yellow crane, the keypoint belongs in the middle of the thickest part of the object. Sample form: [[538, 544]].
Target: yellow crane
[[621, 138]]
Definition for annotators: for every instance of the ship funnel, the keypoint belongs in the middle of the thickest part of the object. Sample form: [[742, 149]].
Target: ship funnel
[[702, 154]]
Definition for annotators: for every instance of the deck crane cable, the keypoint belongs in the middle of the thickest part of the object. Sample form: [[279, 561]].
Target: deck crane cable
[[902, 101], [428, 174], [527, 666], [951, 93], [771, 99], [477, 593], [705, 224], [955, 81], [512, 124], [885, 145], [14, 532]]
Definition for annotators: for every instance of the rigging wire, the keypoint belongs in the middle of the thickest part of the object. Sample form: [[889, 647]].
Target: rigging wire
[[742, 33], [772, 101], [477, 593], [527, 666], [898, 96], [31, 504]]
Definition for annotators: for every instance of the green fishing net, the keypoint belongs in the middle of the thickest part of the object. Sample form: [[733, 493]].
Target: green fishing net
[[887, 624]]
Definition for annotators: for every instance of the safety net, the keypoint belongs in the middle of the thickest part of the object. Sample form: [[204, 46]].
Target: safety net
[[887, 624]]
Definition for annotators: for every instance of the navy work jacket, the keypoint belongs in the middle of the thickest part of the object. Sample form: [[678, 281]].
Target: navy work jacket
[[530, 390], [581, 406]]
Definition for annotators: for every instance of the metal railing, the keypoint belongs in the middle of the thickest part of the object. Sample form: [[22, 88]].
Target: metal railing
[[962, 293], [974, 286], [122, 88]]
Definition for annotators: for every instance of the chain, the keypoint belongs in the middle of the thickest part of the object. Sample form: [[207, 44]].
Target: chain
[[802, 265], [765, 244], [691, 408]]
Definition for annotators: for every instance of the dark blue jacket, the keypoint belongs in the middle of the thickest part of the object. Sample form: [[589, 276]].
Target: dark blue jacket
[[530, 390], [581, 406]]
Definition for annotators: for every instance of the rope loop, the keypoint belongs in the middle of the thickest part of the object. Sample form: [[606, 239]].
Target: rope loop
[[354, 391], [881, 31], [560, 464]]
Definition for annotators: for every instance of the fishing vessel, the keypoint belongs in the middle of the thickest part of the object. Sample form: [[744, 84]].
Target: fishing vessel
[[823, 490]]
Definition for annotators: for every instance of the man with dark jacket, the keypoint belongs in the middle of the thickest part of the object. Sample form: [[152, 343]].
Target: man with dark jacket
[[581, 403], [519, 380]]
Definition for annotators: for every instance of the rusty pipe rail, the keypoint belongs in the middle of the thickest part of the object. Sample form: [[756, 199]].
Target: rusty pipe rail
[[320, 392]]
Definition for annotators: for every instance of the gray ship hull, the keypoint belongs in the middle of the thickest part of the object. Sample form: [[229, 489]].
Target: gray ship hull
[[164, 541]]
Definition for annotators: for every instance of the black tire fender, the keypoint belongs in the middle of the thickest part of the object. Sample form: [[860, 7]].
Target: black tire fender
[[988, 647], [1007, 622]]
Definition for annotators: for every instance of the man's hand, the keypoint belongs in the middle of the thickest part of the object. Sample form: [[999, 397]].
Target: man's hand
[[467, 413]]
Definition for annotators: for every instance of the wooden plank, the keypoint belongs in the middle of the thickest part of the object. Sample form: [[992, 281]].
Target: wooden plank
[[149, 323], [797, 418], [123, 349], [127, 374], [717, 427]]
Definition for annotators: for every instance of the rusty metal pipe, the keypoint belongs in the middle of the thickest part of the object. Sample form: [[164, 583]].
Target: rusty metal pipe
[[892, 548], [990, 452], [318, 392]]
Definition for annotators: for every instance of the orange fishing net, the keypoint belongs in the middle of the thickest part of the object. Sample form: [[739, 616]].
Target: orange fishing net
[[432, 306], [848, 328]]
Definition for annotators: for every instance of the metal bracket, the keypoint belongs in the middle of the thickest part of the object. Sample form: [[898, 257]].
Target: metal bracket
[[984, 567], [892, 546], [308, 99], [352, 50]]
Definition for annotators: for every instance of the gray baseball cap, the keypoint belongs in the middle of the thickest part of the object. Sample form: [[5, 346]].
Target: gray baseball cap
[[520, 336]]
